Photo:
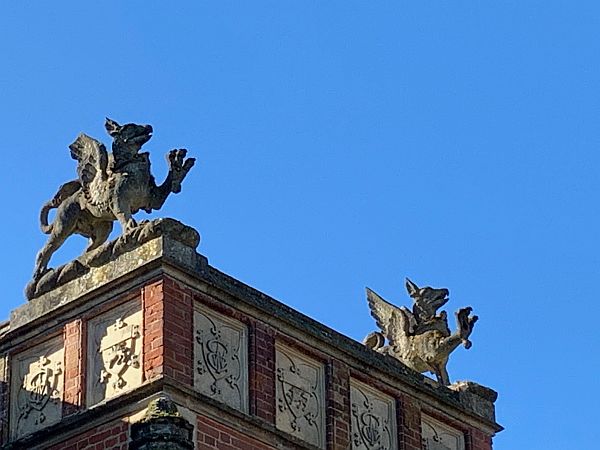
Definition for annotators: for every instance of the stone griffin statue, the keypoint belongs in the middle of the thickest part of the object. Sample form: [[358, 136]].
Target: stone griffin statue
[[419, 338], [110, 186]]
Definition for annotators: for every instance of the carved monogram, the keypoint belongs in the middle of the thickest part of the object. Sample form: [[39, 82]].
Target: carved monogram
[[118, 350], [37, 390], [221, 354], [114, 352], [39, 387], [373, 419], [300, 397], [437, 436]]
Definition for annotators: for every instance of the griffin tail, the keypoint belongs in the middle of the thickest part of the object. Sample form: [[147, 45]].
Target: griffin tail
[[64, 192], [374, 340]]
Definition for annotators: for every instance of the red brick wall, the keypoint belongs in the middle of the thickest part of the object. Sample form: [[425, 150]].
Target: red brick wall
[[476, 440], [262, 372], [153, 310], [168, 331], [212, 434], [338, 406], [112, 436], [409, 424], [74, 369], [179, 332]]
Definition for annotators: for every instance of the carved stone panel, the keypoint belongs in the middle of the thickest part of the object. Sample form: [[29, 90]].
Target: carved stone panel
[[221, 359], [438, 436], [114, 352], [37, 388], [373, 418], [300, 396]]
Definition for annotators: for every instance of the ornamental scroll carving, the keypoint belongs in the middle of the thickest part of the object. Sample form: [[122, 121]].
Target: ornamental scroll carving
[[300, 396], [373, 419], [115, 345], [437, 436], [220, 355], [37, 388]]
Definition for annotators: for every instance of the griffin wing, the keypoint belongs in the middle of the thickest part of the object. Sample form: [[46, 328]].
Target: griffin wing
[[393, 321], [92, 161]]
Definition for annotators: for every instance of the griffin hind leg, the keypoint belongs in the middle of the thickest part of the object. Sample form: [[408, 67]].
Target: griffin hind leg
[[122, 211], [441, 373], [43, 257], [64, 226], [100, 235]]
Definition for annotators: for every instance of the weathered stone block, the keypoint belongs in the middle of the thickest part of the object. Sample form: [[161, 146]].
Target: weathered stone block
[[477, 398], [300, 389], [221, 358]]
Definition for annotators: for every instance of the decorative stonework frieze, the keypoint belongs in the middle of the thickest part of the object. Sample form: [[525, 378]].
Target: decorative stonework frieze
[[221, 358], [114, 352], [37, 388], [438, 436], [300, 396], [373, 418]]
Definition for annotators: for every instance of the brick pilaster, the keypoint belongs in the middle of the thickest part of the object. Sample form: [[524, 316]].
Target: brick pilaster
[[262, 373], [168, 334], [178, 332], [74, 368], [338, 406], [477, 440], [153, 310], [409, 424]]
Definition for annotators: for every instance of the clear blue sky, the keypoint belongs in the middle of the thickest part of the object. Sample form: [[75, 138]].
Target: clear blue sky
[[345, 144]]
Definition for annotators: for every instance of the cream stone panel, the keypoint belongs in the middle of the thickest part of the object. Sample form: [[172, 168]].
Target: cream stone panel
[[438, 436], [37, 387], [300, 394], [114, 352], [373, 418], [221, 358]]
